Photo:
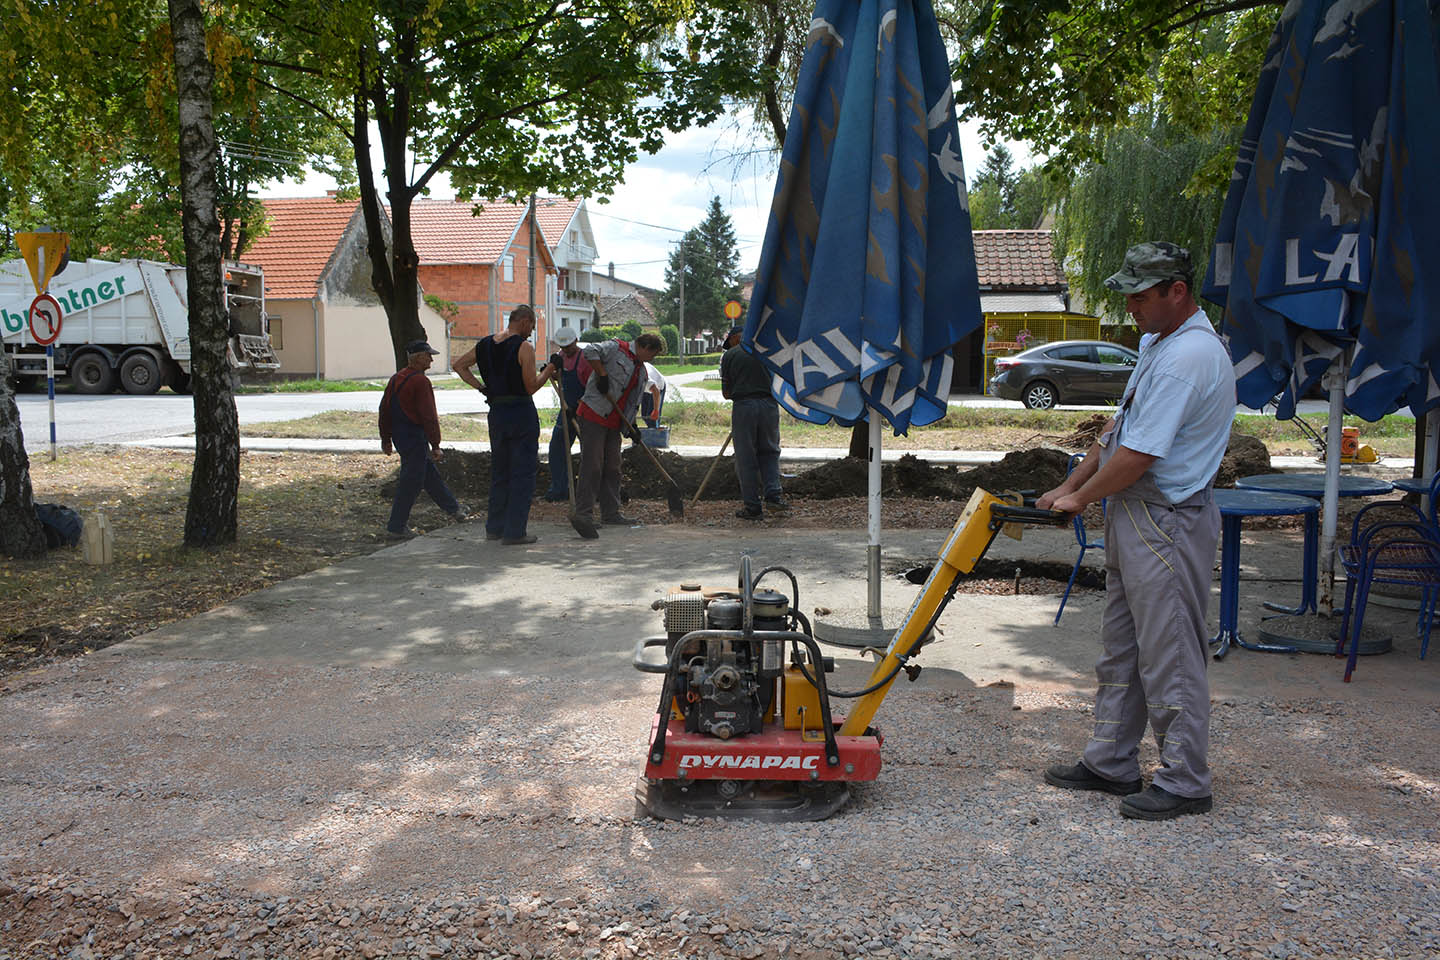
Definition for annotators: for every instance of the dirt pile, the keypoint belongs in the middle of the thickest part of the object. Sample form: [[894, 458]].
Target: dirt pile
[[1037, 469]]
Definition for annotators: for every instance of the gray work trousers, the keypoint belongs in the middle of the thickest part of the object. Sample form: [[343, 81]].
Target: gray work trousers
[[599, 471], [1159, 560]]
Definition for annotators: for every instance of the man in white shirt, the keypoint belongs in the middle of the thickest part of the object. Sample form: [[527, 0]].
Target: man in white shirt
[[654, 396], [1156, 462]]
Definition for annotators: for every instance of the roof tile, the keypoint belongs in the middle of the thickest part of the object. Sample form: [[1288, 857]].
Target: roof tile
[[1023, 259], [304, 232]]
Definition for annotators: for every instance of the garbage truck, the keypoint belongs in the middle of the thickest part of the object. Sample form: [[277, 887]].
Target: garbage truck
[[125, 323]]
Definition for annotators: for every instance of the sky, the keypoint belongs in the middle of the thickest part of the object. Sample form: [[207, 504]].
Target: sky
[[667, 193]]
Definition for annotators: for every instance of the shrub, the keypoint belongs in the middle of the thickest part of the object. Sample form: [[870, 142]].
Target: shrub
[[671, 335]]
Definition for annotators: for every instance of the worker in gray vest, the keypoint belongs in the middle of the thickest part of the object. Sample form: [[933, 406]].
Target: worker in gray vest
[[1156, 462]]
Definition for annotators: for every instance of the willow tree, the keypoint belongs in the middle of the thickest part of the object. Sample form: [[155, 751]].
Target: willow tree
[[1164, 172]]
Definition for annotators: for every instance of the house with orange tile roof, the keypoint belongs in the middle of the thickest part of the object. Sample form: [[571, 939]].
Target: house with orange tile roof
[[1025, 299], [325, 318], [477, 256]]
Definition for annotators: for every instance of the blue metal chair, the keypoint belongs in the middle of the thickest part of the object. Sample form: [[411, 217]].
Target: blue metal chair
[[1403, 551], [1081, 537]]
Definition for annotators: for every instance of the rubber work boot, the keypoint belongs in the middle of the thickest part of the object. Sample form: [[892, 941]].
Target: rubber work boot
[[1157, 803], [1081, 777]]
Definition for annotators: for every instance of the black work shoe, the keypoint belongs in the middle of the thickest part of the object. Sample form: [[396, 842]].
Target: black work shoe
[[777, 503], [1157, 803], [402, 535], [619, 520], [493, 536], [749, 513], [514, 541], [1081, 777]]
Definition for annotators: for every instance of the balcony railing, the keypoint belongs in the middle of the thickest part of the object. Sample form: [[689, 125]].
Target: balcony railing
[[577, 296]]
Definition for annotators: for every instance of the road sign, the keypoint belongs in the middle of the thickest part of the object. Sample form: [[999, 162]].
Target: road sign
[[733, 310], [45, 255], [45, 319]]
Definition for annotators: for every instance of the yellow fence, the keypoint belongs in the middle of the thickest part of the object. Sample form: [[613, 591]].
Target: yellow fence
[[1009, 333]]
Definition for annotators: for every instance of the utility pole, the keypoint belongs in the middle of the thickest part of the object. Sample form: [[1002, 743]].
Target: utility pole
[[681, 324], [532, 251]]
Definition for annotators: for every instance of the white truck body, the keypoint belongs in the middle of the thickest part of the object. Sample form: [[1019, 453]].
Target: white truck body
[[128, 321]]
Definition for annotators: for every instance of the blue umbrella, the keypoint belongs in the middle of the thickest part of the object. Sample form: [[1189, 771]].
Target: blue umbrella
[[867, 278], [1328, 249]]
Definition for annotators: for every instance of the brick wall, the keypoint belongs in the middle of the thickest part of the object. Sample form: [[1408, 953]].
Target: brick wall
[[468, 286]]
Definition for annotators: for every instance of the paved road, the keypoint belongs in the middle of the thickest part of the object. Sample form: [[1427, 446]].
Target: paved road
[[119, 417]]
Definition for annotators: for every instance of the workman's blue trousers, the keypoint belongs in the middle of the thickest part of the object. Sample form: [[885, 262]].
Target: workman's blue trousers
[[559, 462], [417, 472], [514, 460]]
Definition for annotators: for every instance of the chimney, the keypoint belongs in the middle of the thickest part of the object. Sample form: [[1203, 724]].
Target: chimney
[[612, 269]]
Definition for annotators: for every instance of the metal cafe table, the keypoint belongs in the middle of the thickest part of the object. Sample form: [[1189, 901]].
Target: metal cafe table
[[1307, 485], [1235, 506]]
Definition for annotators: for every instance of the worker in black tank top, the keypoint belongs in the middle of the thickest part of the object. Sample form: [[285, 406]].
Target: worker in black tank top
[[508, 379]]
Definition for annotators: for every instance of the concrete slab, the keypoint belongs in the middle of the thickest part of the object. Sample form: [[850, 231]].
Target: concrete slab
[[453, 602]]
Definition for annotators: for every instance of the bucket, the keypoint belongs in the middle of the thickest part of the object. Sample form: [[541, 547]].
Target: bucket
[[656, 438], [1349, 441]]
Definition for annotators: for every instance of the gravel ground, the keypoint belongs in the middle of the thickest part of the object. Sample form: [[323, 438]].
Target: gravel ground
[[160, 808]]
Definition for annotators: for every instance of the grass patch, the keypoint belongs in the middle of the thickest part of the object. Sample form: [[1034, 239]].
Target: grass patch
[[706, 423], [312, 385]]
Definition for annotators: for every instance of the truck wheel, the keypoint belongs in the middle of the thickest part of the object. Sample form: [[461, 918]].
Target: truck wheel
[[140, 374], [92, 373], [176, 378]]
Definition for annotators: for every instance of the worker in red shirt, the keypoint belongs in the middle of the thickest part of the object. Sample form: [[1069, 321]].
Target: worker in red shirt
[[409, 424]]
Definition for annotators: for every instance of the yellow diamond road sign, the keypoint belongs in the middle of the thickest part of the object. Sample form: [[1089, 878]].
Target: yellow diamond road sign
[[43, 253]]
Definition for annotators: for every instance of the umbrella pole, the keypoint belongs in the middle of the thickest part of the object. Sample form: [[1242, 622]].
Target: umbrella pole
[[872, 555], [1432, 448], [1331, 505]]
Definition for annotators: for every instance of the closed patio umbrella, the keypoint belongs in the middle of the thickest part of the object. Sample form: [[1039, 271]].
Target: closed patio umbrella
[[867, 277], [1327, 257]]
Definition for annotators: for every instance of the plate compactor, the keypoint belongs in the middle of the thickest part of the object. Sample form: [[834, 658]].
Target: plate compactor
[[745, 726]]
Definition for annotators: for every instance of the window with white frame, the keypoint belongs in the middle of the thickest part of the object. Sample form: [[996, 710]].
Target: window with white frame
[[507, 267]]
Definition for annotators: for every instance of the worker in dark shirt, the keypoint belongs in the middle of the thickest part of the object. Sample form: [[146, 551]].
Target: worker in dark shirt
[[754, 426], [409, 425], [506, 363]]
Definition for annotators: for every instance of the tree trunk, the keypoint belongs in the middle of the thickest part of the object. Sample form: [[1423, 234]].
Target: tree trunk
[[395, 273], [20, 533], [210, 518], [860, 440]]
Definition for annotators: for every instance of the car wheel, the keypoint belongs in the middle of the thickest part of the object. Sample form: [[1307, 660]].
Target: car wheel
[[140, 374], [1039, 395], [92, 373]]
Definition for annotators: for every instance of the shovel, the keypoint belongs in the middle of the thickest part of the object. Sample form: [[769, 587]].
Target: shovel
[[675, 498], [713, 464], [585, 528]]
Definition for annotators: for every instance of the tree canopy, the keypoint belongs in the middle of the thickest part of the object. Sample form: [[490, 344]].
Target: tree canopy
[[1060, 73], [507, 97], [87, 139]]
